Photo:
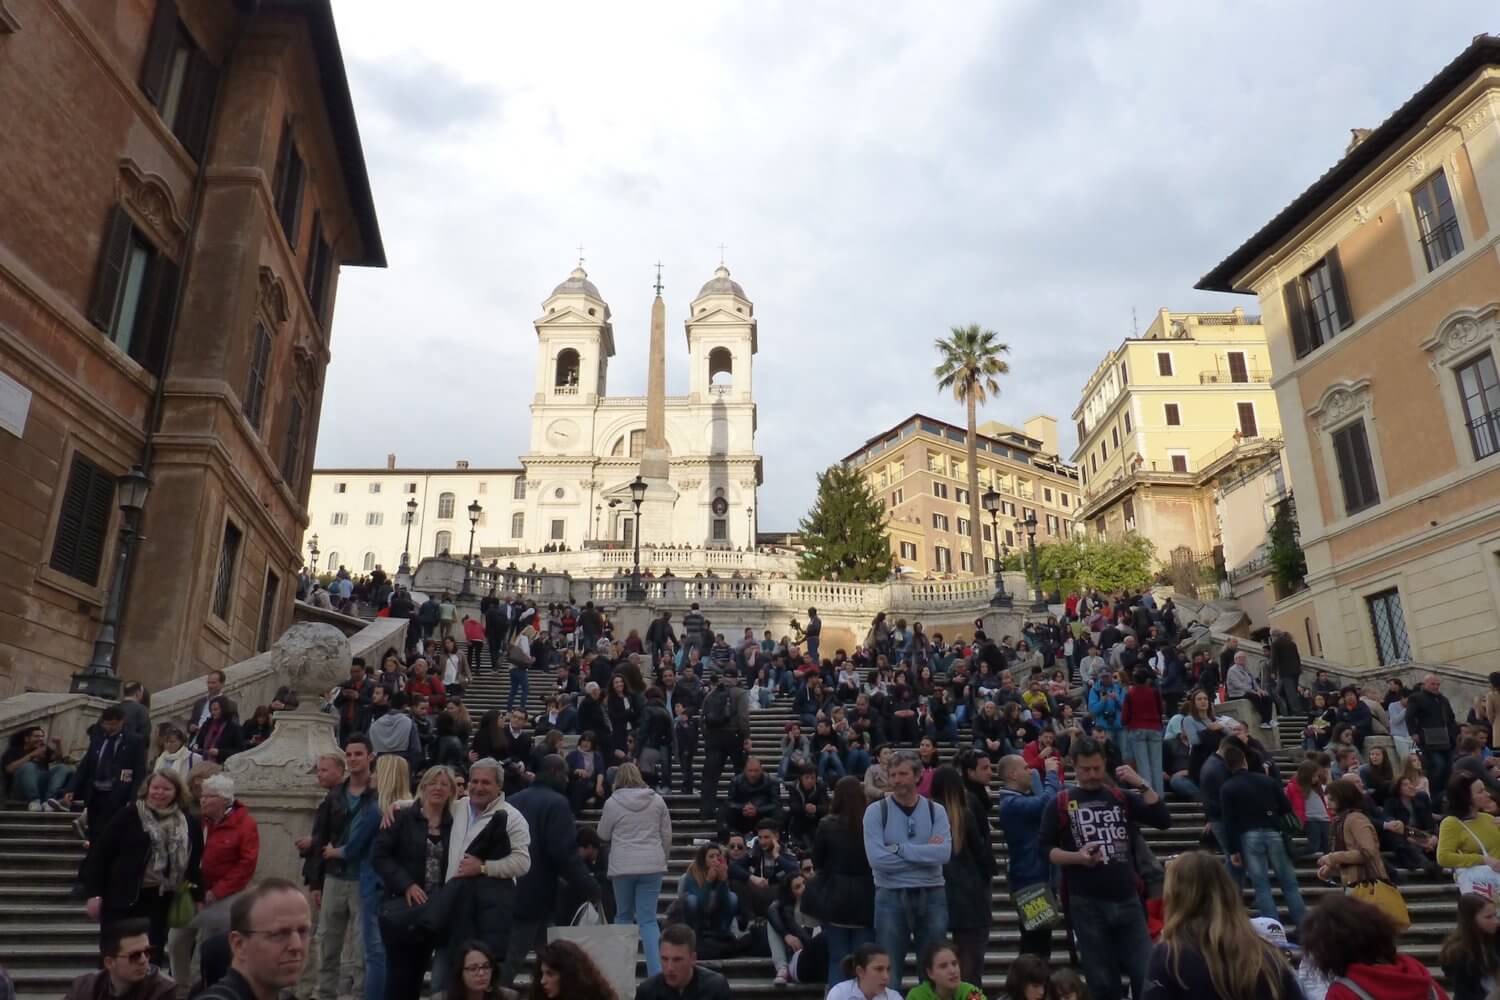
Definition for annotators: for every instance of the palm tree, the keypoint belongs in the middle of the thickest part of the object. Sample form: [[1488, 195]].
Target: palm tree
[[970, 363]]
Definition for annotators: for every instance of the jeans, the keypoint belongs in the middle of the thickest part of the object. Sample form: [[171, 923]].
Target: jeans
[[1112, 940], [1145, 753], [843, 941], [520, 688], [340, 915], [370, 894], [1317, 831], [1264, 853], [1437, 764], [812, 648], [32, 782], [716, 914], [1221, 835], [830, 768], [1184, 787], [856, 762], [911, 916], [1288, 697], [635, 903], [719, 748]]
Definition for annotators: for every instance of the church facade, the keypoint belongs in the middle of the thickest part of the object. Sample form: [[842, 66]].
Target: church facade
[[586, 446]]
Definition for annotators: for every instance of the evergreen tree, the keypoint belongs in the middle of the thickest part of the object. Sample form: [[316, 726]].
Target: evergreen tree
[[844, 533]]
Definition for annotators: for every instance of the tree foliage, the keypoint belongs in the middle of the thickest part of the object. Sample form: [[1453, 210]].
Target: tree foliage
[[969, 363], [844, 533], [1288, 564], [1094, 564]]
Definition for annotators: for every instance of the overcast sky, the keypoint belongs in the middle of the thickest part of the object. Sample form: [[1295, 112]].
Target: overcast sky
[[879, 173]]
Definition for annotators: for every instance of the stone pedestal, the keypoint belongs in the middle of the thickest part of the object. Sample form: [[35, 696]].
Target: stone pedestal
[[626, 616], [1002, 622], [656, 512], [1239, 708], [277, 780]]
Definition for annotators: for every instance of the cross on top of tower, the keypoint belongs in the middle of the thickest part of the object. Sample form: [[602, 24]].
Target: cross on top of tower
[[658, 278], [722, 248], [580, 255]]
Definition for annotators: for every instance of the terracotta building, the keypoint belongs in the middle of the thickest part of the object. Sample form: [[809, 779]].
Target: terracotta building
[[919, 469], [1380, 291], [183, 182]]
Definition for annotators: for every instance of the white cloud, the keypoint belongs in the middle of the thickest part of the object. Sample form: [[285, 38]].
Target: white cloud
[[880, 172]]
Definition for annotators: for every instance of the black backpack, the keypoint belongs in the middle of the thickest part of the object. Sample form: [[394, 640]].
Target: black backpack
[[718, 709]]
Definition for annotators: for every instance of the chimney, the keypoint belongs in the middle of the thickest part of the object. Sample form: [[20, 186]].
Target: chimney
[[390, 460], [1356, 136], [463, 463]]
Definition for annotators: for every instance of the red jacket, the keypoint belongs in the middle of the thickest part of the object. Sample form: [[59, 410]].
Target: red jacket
[[1143, 708], [1408, 979], [231, 848], [1032, 754], [1299, 801], [473, 630]]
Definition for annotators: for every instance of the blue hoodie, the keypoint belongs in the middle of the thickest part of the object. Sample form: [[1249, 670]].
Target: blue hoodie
[[1020, 817], [1106, 716]]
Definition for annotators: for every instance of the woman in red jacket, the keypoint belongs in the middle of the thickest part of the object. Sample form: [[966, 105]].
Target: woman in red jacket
[[1144, 716], [231, 849]]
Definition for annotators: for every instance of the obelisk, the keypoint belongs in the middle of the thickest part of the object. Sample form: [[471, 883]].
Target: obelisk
[[656, 468]]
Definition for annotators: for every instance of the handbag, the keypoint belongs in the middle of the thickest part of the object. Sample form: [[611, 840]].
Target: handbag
[[182, 911], [401, 916], [1384, 897], [1478, 880], [1291, 826], [1435, 738], [1037, 906]]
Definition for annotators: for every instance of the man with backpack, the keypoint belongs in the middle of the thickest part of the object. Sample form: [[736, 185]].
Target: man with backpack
[[1088, 835], [726, 735], [693, 627]]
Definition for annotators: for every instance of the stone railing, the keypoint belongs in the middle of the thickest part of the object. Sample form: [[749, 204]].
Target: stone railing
[[605, 559], [248, 683], [798, 595]]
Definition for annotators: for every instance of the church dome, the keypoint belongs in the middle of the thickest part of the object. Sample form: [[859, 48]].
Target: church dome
[[722, 284], [578, 283]]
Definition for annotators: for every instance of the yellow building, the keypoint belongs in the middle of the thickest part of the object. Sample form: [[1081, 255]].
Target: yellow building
[[1163, 418], [919, 469], [1380, 288]]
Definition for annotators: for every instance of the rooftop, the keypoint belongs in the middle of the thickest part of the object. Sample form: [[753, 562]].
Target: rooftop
[[1013, 445], [1357, 163]]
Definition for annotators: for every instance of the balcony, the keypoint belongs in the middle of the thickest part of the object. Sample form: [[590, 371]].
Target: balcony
[[1442, 243], [1234, 378], [565, 390], [720, 390]]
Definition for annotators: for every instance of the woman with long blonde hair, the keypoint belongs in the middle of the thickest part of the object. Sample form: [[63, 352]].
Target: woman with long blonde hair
[[1208, 947], [392, 781]]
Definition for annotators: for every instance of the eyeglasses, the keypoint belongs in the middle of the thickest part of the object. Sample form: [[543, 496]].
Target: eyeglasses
[[282, 935], [139, 955], [480, 967]]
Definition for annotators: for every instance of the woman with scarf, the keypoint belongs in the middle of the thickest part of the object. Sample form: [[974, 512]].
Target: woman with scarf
[[220, 737], [144, 855], [175, 755]]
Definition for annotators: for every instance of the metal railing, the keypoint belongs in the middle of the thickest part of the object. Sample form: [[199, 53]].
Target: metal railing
[[1484, 434], [565, 390], [1234, 378], [1442, 243]]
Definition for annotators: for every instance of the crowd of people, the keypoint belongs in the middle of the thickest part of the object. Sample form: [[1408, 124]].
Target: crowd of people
[[447, 845]]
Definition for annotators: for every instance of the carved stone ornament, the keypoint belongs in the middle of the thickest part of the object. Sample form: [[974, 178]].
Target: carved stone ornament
[[307, 355], [690, 484], [1309, 252], [1340, 401], [1477, 119], [273, 300], [1361, 214], [149, 201], [1416, 166], [1462, 331], [532, 484]]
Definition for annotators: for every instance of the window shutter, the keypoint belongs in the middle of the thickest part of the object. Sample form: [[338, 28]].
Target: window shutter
[[83, 521], [1247, 420], [112, 254], [1364, 466], [159, 48], [290, 208], [283, 162], [198, 105], [291, 455], [1340, 290], [310, 279], [255, 390], [1296, 316], [160, 300]]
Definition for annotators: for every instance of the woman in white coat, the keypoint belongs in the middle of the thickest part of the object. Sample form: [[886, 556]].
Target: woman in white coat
[[638, 827]]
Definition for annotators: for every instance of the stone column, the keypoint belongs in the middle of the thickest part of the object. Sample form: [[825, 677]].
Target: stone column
[[277, 780]]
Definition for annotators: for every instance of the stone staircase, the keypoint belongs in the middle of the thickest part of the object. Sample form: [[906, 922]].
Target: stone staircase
[[46, 939]]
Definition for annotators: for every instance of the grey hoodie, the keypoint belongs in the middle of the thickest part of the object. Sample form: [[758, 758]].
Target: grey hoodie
[[638, 827], [391, 733]]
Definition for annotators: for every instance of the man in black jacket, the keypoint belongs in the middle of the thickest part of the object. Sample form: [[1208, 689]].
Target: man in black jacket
[[554, 855], [1252, 805], [330, 773], [753, 796], [658, 634], [1434, 730], [1286, 664], [496, 630], [112, 770], [681, 977], [726, 737]]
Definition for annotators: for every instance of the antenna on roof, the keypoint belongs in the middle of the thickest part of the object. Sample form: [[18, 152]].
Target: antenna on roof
[[1135, 326]]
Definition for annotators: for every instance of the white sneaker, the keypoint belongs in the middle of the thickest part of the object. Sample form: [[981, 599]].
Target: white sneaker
[[34, 806], [780, 979], [1267, 725]]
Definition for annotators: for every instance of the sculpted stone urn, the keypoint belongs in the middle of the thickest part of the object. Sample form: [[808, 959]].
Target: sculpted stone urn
[[277, 780]]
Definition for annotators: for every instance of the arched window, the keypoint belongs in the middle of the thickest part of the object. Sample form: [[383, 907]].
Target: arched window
[[565, 375], [333, 561], [368, 562], [443, 542], [635, 442], [517, 524], [445, 506], [720, 367]]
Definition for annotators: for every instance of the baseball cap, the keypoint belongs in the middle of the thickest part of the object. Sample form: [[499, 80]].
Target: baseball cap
[[1272, 930]]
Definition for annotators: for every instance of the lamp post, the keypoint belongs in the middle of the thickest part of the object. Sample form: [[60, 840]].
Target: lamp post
[[635, 593], [312, 550], [411, 515], [991, 502], [474, 511], [99, 678], [598, 510], [1040, 604], [749, 529]]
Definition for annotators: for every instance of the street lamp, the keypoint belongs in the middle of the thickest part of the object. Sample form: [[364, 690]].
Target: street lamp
[[474, 512], [750, 529], [598, 509], [990, 501], [99, 678], [1040, 604], [411, 515], [635, 592], [312, 548]]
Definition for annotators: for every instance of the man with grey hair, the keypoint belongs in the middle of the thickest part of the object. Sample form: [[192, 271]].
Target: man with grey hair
[[1241, 683]]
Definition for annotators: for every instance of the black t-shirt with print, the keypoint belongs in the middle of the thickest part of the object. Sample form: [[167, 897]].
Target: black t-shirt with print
[[1102, 817]]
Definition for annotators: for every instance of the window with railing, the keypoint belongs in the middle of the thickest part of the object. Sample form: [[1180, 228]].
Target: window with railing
[[1437, 222], [1479, 387], [1317, 305]]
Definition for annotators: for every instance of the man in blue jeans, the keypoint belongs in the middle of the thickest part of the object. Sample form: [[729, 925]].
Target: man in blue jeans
[[1088, 835], [907, 840], [1252, 805]]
